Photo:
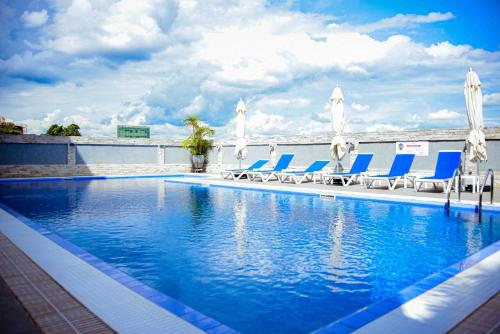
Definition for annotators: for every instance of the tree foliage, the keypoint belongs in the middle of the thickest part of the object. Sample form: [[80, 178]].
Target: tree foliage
[[10, 129], [200, 141], [71, 130], [59, 130]]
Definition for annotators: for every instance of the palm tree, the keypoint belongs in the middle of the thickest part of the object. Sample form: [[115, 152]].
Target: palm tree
[[200, 141]]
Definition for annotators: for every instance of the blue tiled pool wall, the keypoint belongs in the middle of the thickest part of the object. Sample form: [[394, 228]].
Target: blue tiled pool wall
[[184, 312]]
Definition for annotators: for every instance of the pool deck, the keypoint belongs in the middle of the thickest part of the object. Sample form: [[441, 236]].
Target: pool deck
[[359, 190], [460, 304]]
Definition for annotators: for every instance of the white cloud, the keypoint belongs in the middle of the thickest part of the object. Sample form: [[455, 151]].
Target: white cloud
[[359, 107], [384, 128], [52, 117], [444, 115], [277, 102], [314, 127], [491, 99], [260, 123], [356, 69], [121, 30], [447, 50], [34, 19], [397, 21]]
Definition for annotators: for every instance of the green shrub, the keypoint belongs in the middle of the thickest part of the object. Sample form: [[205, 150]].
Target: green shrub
[[200, 141], [59, 130]]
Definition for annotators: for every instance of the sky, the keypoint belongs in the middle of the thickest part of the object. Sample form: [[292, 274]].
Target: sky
[[401, 65]]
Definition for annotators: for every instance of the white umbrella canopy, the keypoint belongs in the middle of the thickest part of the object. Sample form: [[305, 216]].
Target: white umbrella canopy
[[474, 102], [338, 147], [240, 151]]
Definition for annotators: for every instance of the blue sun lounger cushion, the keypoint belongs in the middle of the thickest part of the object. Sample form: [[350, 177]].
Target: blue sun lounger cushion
[[446, 170], [400, 167], [303, 175], [236, 174], [359, 166], [265, 175]]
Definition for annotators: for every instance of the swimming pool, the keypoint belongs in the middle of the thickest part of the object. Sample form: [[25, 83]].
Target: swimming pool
[[256, 261]]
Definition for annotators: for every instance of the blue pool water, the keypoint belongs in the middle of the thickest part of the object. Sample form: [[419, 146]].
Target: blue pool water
[[260, 262]]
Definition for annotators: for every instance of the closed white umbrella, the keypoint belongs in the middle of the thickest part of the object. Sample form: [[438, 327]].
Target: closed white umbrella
[[240, 151], [338, 147], [474, 102]]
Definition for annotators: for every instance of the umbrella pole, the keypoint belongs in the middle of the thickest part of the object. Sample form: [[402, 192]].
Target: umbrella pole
[[477, 173], [240, 162]]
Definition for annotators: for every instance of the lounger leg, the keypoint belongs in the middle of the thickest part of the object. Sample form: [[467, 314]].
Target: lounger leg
[[418, 185], [350, 180], [264, 179], [395, 183], [343, 181], [450, 184], [445, 186]]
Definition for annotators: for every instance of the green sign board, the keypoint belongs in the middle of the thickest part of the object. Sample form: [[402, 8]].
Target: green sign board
[[132, 131]]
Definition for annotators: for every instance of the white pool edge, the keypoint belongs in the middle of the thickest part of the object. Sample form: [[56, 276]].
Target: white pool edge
[[441, 308]]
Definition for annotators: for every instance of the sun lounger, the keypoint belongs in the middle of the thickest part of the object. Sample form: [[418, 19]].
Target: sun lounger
[[359, 167], [236, 174], [447, 166], [266, 175], [400, 167], [303, 175]]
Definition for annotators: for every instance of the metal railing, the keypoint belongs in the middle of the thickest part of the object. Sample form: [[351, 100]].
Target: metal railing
[[481, 190], [459, 190]]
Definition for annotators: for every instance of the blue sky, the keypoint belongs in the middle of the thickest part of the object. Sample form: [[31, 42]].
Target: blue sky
[[475, 22], [400, 64]]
